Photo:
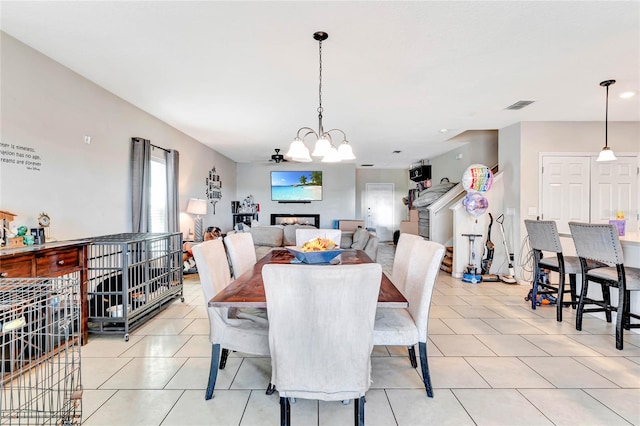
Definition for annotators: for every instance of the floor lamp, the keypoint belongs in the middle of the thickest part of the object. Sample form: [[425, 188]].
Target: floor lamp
[[198, 207]]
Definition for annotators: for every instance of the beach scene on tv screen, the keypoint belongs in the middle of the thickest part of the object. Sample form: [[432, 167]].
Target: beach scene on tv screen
[[296, 186]]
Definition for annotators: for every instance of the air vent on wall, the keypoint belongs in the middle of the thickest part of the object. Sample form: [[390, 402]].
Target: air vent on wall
[[520, 104]]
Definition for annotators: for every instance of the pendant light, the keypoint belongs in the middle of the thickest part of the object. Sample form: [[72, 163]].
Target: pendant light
[[606, 154], [324, 146]]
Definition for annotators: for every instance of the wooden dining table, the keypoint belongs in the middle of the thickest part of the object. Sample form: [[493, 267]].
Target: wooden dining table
[[248, 289]]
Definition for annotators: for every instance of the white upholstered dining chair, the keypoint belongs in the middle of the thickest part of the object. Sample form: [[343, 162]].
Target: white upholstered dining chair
[[401, 259], [320, 331], [409, 326], [242, 253], [237, 334], [307, 234]]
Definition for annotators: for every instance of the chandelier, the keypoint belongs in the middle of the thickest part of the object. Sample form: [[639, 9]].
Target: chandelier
[[324, 146]]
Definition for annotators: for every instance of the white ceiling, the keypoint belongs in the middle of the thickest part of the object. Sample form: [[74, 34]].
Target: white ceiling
[[242, 77]]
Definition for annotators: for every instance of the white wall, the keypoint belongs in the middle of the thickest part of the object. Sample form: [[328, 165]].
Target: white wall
[[85, 188], [338, 198]]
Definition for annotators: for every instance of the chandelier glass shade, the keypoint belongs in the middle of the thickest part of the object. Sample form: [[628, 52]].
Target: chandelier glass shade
[[324, 143], [606, 154]]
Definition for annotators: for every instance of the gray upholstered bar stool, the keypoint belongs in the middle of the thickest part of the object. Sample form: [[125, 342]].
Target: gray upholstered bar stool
[[600, 242], [543, 236]]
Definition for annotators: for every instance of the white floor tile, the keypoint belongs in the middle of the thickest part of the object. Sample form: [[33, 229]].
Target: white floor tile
[[510, 372], [225, 408], [571, 407], [499, 407], [620, 371], [412, 407], [96, 371], [565, 372], [394, 372], [605, 344], [469, 326], [560, 345], [145, 373], [510, 345], [460, 345], [254, 373], [107, 346], [625, 402], [476, 312], [135, 407], [264, 410], [196, 346], [160, 346], [452, 373]]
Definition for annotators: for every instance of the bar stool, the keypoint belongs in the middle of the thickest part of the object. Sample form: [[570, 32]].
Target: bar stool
[[600, 242], [543, 236]]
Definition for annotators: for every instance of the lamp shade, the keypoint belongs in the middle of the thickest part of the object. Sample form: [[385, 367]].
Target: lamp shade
[[345, 151], [298, 151], [606, 155], [197, 206]]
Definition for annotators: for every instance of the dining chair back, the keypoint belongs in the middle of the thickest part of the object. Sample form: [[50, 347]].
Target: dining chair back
[[320, 331], [409, 326], [307, 234], [242, 253], [544, 237], [238, 334], [401, 259], [600, 242]]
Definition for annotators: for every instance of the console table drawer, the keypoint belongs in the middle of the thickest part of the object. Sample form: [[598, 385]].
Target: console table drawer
[[19, 267], [58, 262]]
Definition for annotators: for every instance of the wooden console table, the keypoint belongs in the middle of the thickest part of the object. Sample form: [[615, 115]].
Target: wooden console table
[[56, 259]]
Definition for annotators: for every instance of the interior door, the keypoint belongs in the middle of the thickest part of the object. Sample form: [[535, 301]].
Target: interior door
[[379, 209], [565, 190], [614, 187]]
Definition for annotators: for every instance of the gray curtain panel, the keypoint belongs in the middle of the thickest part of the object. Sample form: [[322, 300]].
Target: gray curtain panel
[[140, 178], [173, 197]]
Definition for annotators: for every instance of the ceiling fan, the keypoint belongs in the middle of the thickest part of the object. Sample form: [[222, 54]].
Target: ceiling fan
[[277, 157]]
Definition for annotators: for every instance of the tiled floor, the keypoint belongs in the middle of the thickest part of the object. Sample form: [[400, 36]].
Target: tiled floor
[[493, 361]]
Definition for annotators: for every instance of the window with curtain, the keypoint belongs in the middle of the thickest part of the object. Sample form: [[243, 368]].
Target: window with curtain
[[158, 194], [154, 184]]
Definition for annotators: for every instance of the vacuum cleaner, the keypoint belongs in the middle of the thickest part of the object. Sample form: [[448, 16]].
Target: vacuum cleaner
[[470, 274], [507, 279], [488, 257]]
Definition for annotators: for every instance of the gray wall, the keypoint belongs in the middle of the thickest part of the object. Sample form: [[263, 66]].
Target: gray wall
[[480, 147], [85, 188]]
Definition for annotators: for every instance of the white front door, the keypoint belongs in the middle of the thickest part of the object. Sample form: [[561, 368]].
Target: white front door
[[565, 190], [379, 209], [614, 187]]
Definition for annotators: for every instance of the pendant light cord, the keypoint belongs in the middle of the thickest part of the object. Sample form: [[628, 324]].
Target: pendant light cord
[[606, 121], [320, 110]]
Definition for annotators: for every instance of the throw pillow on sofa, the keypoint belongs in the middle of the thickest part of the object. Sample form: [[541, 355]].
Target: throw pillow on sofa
[[360, 238]]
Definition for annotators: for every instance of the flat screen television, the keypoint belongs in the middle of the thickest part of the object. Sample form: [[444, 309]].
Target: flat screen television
[[296, 186]]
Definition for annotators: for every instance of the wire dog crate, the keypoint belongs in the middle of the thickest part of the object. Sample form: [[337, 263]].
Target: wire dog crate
[[130, 278], [40, 352]]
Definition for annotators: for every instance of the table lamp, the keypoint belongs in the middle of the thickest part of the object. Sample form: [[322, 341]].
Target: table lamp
[[197, 206]]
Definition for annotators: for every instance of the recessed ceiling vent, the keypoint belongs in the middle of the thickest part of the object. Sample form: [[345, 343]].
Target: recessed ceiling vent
[[520, 104]]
